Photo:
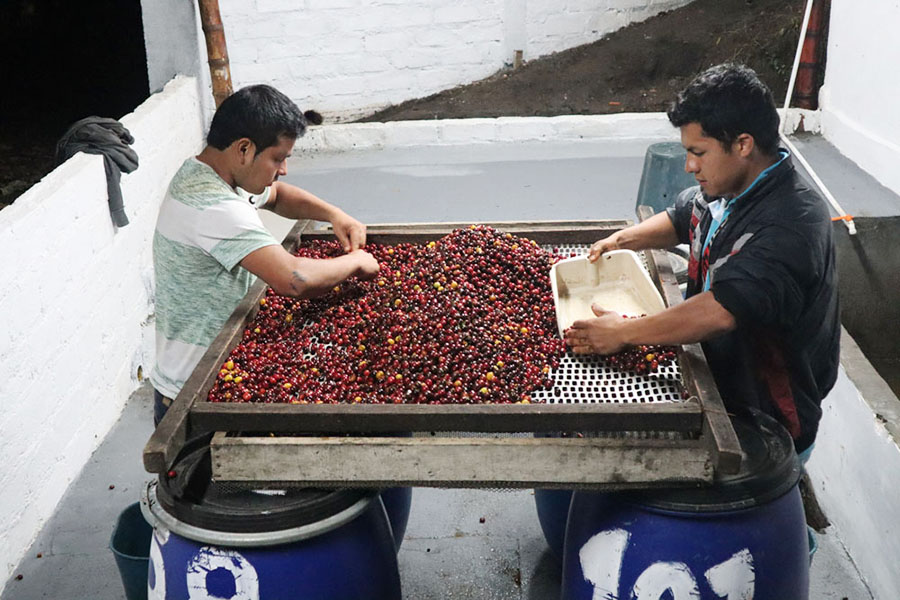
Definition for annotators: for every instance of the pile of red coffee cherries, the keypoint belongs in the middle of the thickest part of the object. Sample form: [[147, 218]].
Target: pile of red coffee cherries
[[468, 318], [643, 359]]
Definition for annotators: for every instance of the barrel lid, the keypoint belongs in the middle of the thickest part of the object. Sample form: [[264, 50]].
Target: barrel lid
[[769, 469], [192, 497]]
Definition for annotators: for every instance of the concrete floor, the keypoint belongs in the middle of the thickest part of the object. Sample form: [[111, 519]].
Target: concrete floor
[[448, 552]]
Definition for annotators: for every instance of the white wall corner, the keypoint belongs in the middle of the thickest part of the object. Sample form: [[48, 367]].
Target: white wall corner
[[858, 430]]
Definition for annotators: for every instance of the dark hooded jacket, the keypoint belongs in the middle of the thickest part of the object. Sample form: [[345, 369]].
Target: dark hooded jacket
[[771, 264]]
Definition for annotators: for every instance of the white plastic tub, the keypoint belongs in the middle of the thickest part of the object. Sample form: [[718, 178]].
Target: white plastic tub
[[617, 282]]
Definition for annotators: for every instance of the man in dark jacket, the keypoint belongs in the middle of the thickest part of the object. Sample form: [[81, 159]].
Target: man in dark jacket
[[762, 290]]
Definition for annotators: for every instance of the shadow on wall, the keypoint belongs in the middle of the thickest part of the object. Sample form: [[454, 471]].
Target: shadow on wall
[[869, 282]]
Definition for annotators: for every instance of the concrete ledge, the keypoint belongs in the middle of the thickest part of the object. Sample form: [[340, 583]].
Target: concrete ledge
[[346, 137], [877, 393], [452, 132]]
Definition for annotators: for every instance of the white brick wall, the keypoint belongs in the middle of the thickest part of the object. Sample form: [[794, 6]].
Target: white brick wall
[[75, 309], [553, 26], [347, 58]]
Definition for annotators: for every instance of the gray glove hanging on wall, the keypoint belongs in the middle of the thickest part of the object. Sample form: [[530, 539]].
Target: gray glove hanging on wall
[[99, 135]]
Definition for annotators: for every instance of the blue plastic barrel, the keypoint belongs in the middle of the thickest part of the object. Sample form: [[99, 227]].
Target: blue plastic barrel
[[553, 512], [211, 540], [743, 537], [397, 503]]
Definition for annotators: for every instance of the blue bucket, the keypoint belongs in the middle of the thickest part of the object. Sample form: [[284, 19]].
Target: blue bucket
[[743, 537], [213, 541], [130, 545]]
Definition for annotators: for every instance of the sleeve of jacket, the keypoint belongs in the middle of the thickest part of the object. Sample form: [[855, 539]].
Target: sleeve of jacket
[[764, 279], [680, 213]]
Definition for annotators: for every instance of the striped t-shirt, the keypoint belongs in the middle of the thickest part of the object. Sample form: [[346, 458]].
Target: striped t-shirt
[[205, 228]]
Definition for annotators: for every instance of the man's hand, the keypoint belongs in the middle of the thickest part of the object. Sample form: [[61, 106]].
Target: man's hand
[[368, 266], [349, 232], [605, 245], [656, 232], [596, 336], [292, 202]]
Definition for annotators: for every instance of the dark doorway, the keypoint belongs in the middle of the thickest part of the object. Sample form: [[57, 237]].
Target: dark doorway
[[60, 61]]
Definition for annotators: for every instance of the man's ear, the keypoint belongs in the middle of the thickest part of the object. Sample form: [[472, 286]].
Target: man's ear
[[245, 149], [744, 143]]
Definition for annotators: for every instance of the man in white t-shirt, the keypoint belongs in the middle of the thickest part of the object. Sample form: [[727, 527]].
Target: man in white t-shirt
[[210, 243]]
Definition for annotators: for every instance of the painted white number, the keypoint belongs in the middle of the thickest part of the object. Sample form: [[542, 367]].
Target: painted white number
[[735, 578], [158, 590], [210, 558], [601, 561], [602, 557], [662, 576]]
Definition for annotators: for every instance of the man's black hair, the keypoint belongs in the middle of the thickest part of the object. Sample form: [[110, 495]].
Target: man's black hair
[[728, 100], [260, 113]]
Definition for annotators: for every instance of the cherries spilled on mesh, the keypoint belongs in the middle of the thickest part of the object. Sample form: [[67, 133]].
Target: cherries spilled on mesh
[[644, 359]]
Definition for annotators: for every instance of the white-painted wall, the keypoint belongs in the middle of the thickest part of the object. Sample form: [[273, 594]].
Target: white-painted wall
[[75, 312], [855, 467], [175, 45], [551, 25], [859, 98], [347, 58]]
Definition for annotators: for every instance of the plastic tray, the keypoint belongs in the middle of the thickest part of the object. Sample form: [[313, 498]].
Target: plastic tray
[[617, 282]]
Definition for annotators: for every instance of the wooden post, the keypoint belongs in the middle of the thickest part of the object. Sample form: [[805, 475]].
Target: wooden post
[[216, 50]]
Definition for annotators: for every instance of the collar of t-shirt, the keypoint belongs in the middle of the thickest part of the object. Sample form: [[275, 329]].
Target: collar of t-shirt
[[255, 200], [721, 208]]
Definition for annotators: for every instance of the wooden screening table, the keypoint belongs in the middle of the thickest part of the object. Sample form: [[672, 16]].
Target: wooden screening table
[[669, 443]]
